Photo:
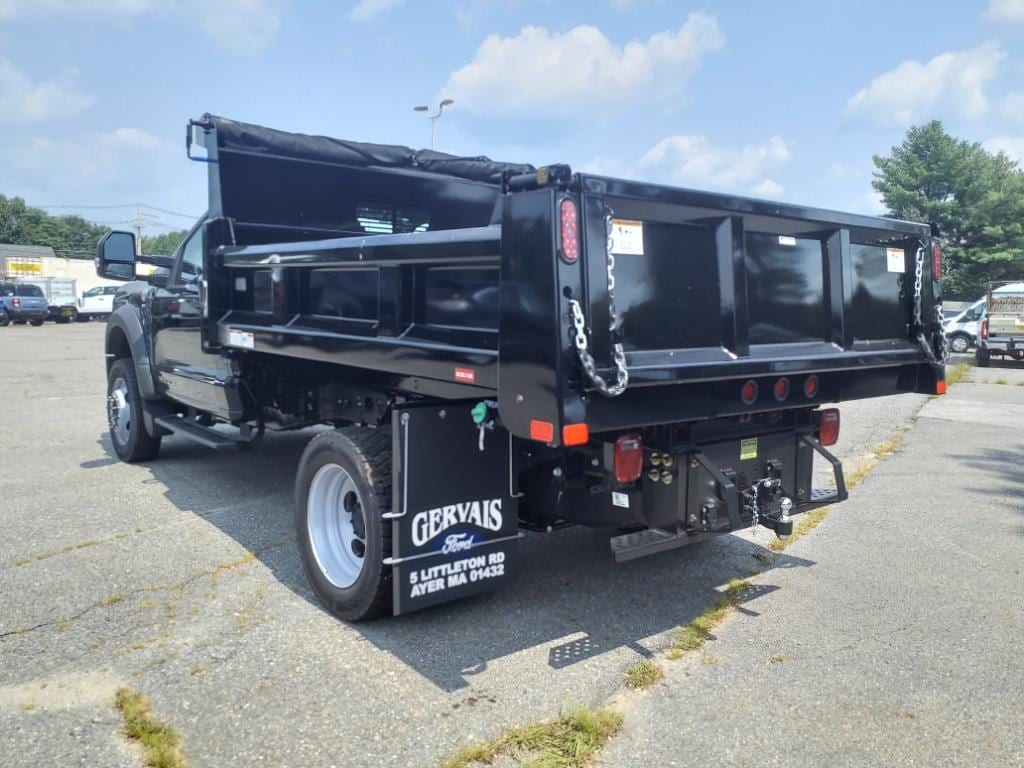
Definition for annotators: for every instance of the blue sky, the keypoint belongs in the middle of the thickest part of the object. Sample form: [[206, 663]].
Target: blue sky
[[786, 100]]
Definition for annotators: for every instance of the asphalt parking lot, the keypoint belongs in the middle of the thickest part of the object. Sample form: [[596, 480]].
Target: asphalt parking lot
[[180, 579]]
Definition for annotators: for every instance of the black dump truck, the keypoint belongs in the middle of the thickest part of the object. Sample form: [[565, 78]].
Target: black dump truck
[[502, 348]]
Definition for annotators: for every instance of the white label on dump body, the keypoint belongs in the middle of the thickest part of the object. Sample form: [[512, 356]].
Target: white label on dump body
[[894, 258], [627, 237], [244, 339]]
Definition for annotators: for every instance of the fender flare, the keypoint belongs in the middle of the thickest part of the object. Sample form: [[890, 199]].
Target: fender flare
[[125, 321]]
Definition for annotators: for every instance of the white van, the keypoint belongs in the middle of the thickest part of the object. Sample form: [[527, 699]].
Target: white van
[[962, 329]]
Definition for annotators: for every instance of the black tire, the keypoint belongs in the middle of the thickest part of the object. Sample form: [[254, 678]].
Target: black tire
[[5, 319], [19, 322], [80, 318], [982, 357], [36, 323], [959, 343], [365, 454], [139, 444]]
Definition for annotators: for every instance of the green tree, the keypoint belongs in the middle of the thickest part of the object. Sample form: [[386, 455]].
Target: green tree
[[70, 236], [162, 245], [975, 197]]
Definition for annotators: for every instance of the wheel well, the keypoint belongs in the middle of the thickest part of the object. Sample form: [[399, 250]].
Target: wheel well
[[117, 346]]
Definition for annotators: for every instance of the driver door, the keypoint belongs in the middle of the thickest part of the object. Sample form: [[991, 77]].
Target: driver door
[[184, 371]]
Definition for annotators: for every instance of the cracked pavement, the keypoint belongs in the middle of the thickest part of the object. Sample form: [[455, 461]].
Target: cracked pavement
[[180, 579]]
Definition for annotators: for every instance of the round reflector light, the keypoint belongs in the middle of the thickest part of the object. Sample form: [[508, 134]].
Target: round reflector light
[[748, 394], [781, 389], [811, 386]]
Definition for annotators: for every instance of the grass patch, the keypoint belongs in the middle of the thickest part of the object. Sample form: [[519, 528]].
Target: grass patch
[[806, 523], [198, 670], [693, 636], [643, 674], [111, 599], [161, 744], [568, 742], [1000, 381], [958, 373], [710, 661], [777, 659]]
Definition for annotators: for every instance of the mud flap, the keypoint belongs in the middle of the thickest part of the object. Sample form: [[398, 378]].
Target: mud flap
[[455, 528]]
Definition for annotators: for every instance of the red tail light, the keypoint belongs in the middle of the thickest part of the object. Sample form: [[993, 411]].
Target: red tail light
[[16, 303], [781, 389], [570, 230], [811, 386], [984, 329], [629, 458], [828, 426], [748, 394], [936, 261]]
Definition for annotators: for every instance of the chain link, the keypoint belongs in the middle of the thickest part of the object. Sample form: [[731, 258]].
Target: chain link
[[936, 351], [617, 387]]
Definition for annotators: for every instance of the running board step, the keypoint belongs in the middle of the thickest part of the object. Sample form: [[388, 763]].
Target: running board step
[[211, 438], [650, 541]]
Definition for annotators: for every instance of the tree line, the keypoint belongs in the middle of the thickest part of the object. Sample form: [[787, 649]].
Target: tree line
[[69, 236]]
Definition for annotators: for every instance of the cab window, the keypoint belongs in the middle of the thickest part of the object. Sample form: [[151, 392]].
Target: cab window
[[93, 292], [974, 313], [191, 267]]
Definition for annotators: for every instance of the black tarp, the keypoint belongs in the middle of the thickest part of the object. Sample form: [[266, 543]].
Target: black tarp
[[255, 139]]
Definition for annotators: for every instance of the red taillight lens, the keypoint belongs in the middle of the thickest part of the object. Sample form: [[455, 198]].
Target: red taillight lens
[[629, 458], [984, 329], [811, 386], [781, 389], [748, 394], [828, 426], [570, 230], [16, 303], [936, 261]]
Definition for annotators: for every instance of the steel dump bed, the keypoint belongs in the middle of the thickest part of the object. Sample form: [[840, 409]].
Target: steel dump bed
[[458, 277]]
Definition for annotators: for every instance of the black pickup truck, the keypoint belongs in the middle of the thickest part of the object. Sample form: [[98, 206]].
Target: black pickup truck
[[503, 348]]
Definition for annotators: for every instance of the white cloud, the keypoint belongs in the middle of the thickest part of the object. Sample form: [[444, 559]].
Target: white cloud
[[1011, 145], [1012, 105], [240, 26], [367, 10], [579, 69], [24, 100], [1011, 11], [952, 84], [767, 188], [695, 161]]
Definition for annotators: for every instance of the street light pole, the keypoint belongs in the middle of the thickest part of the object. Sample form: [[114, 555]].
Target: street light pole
[[434, 118]]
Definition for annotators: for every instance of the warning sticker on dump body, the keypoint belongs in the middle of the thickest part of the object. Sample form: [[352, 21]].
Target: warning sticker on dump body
[[243, 339], [894, 259], [627, 237], [748, 448]]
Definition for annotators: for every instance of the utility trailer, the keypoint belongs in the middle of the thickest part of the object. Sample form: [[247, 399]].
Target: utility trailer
[[505, 349]]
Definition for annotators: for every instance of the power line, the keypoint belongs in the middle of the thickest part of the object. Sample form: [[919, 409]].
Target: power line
[[65, 206]]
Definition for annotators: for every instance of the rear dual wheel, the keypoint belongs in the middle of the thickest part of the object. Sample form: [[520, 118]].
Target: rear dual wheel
[[342, 491]]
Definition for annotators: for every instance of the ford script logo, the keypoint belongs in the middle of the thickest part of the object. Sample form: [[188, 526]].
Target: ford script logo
[[484, 514], [457, 542]]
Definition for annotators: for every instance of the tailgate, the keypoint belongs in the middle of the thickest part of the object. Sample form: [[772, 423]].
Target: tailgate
[[709, 291]]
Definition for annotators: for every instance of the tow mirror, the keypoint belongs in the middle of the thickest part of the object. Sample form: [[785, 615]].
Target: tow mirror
[[115, 256]]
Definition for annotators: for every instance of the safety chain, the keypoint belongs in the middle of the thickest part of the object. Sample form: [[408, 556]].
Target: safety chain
[[937, 352], [617, 387]]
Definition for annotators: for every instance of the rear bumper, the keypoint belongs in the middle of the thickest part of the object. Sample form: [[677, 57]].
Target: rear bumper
[[27, 314], [1012, 344]]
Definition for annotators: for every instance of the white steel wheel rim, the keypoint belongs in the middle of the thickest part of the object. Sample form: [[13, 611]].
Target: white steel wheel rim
[[336, 523], [959, 344], [119, 412]]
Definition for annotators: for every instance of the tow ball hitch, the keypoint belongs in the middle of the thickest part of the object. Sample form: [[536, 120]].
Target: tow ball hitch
[[771, 506]]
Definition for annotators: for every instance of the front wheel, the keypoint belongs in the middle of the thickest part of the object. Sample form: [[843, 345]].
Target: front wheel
[[959, 343], [124, 415], [342, 490], [5, 319]]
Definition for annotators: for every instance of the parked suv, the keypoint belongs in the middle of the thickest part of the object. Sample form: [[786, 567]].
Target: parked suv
[[21, 304], [97, 302]]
